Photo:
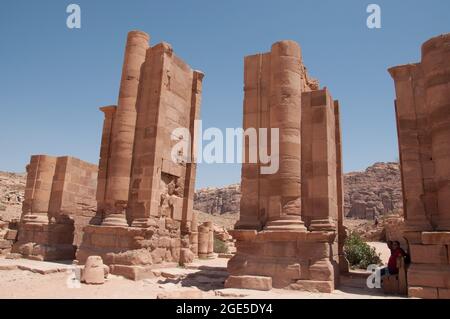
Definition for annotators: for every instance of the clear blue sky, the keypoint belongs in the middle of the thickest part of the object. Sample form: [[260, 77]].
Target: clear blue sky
[[54, 79]]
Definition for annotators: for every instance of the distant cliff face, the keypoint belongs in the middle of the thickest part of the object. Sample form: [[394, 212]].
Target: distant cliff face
[[374, 192], [218, 200], [368, 194], [12, 189]]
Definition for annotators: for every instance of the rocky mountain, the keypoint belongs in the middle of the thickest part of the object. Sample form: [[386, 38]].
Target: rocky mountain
[[218, 200], [374, 192], [368, 194], [12, 188]]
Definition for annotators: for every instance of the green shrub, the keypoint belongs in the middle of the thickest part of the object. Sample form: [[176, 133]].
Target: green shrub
[[220, 246], [358, 253]]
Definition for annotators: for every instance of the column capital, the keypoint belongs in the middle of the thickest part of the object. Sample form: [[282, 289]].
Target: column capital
[[402, 72], [109, 109]]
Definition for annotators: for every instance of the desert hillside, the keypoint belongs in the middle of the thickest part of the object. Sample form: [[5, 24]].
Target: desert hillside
[[12, 188], [370, 193]]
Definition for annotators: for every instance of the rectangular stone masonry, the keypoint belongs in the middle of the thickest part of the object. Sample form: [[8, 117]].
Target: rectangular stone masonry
[[145, 190], [59, 202], [289, 224], [249, 282], [436, 238], [426, 275], [428, 254], [423, 292], [423, 126]]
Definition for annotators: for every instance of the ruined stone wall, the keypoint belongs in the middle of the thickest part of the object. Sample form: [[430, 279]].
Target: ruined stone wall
[[168, 101], [287, 234], [73, 193], [153, 223], [423, 121], [59, 202]]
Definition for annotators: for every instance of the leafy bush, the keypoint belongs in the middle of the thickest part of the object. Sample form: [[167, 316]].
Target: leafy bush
[[358, 253], [220, 246]]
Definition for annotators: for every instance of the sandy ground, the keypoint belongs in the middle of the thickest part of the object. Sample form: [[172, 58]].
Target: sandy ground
[[382, 249], [203, 279]]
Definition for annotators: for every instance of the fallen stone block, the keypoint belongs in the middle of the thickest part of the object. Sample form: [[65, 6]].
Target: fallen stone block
[[423, 292], [249, 282], [313, 286], [132, 272], [94, 271]]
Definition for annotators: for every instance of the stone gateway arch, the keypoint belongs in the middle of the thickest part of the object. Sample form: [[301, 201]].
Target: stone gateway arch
[[135, 209]]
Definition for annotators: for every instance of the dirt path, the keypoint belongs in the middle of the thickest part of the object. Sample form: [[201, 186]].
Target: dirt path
[[203, 279]]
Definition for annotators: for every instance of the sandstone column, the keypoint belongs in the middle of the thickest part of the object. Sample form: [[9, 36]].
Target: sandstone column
[[144, 200], [414, 146], [210, 239], [105, 151], [436, 68], [123, 130], [203, 240], [38, 189], [343, 262], [284, 211], [191, 168], [254, 186], [193, 236], [319, 153]]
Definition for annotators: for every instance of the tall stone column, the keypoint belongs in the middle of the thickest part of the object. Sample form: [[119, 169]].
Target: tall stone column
[[38, 189], [193, 236], [191, 168], [319, 161], [343, 262], [145, 199], [254, 185], [436, 68], [284, 211], [123, 131], [105, 151], [414, 146]]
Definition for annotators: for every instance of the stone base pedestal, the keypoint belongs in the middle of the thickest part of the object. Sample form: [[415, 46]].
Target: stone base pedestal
[[133, 252], [51, 241], [429, 272], [290, 259]]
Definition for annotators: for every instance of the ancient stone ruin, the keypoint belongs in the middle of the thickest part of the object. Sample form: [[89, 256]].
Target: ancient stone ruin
[[144, 198], [423, 121], [59, 202], [290, 233]]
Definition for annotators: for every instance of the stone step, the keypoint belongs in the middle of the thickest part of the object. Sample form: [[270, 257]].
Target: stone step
[[41, 267]]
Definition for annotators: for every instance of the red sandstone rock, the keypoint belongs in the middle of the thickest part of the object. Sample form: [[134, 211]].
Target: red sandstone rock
[[93, 271], [249, 282], [423, 292], [428, 254]]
